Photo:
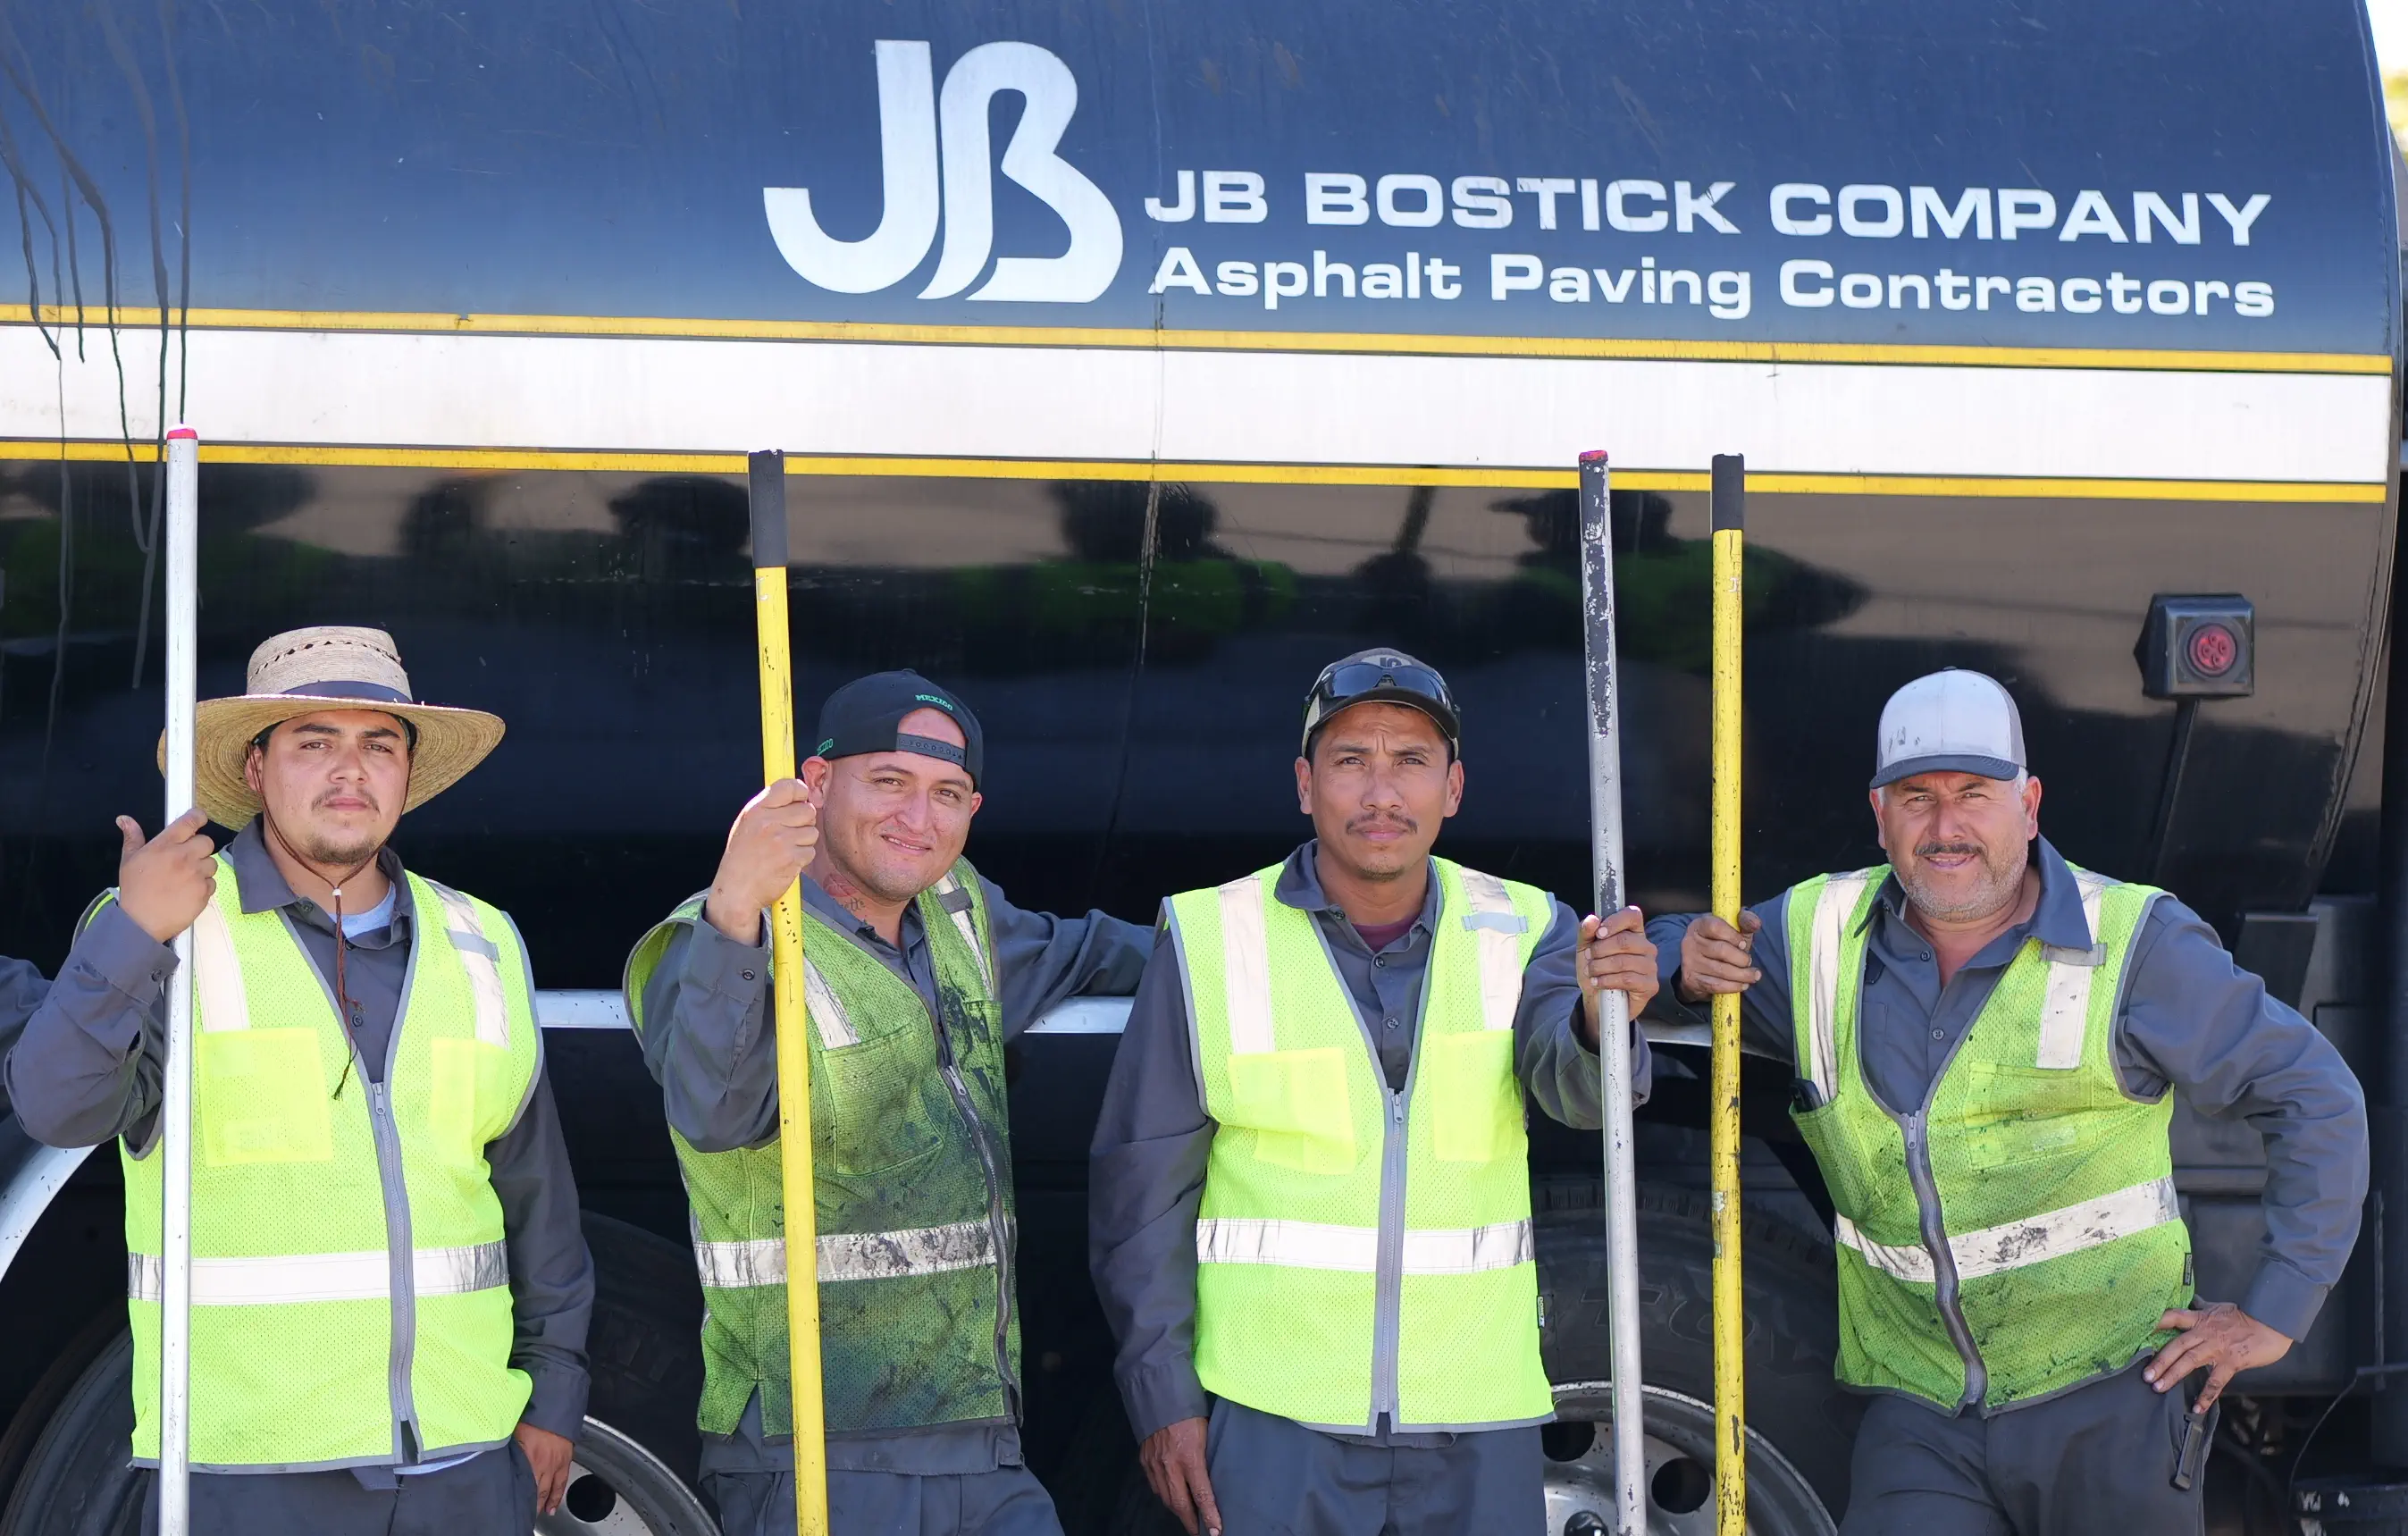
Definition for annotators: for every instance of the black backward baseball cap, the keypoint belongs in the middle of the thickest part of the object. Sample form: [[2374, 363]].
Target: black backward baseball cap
[[867, 715]]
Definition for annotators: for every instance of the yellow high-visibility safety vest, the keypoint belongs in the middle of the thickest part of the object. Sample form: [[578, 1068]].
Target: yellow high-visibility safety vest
[[1362, 1252], [350, 1282]]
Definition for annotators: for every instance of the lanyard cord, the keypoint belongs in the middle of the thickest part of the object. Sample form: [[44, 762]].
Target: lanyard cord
[[343, 1003]]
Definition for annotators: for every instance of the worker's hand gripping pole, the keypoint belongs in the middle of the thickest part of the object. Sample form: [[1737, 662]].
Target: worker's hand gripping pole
[[768, 487], [1612, 1008], [176, 1096], [1730, 1324]]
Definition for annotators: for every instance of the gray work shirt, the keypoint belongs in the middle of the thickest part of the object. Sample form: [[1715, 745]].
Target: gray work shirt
[[23, 988], [706, 1042], [2191, 1020], [87, 1069], [1146, 1180]]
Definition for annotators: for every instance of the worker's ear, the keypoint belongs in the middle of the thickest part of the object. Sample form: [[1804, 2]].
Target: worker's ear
[[2032, 807], [1304, 785], [1454, 787], [1874, 797], [815, 774], [254, 769]]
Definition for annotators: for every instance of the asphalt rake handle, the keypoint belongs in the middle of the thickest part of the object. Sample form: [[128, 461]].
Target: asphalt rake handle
[[175, 1099], [1730, 1324], [768, 505], [1613, 1010]]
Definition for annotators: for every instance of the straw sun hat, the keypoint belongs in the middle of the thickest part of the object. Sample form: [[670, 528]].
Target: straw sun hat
[[331, 666]]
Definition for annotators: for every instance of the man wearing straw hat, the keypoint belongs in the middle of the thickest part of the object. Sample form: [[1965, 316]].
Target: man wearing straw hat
[[389, 1290], [917, 972]]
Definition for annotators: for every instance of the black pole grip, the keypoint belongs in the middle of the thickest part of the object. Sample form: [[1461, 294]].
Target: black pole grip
[[768, 504], [1731, 493]]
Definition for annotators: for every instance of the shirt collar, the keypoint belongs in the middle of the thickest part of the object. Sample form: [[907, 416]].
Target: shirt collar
[[1299, 886], [262, 886], [2057, 919]]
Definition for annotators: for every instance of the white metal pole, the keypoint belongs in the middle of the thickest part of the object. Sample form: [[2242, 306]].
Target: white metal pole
[[175, 1111], [1613, 1021]]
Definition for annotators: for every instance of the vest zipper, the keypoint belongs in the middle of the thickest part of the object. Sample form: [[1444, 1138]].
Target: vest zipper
[[1388, 1302], [399, 1253], [1943, 1258], [998, 1230]]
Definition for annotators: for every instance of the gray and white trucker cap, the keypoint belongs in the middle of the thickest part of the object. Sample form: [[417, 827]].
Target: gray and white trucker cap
[[1950, 721]]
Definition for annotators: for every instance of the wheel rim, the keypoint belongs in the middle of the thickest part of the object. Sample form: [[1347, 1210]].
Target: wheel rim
[[1679, 1443], [616, 1487]]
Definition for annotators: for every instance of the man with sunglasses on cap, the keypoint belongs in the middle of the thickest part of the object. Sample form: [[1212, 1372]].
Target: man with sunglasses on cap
[[1988, 1041], [1310, 1195], [390, 1288], [917, 971]]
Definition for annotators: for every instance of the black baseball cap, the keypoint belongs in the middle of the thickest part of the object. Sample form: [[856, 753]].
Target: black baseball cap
[[867, 715], [1382, 675]]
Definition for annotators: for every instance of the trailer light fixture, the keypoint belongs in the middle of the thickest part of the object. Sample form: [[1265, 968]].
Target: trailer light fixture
[[2200, 646]]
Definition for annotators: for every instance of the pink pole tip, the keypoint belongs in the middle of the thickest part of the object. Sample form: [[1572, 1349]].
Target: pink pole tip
[[176, 432], [1595, 455]]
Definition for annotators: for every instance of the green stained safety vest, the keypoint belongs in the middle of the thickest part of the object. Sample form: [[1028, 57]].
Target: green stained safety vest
[[348, 1273], [912, 1167], [1362, 1252], [2015, 1234]]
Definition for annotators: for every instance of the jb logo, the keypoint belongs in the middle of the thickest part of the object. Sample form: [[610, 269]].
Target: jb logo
[[909, 117]]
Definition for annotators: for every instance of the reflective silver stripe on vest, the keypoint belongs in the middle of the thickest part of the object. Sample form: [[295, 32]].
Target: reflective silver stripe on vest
[[2011, 1245], [478, 956], [827, 1013], [1322, 1245], [1832, 909], [322, 1277], [966, 926], [2065, 1009], [1246, 967], [216, 975], [850, 1255], [1495, 929]]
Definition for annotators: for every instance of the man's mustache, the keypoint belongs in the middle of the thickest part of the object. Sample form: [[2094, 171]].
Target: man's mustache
[[1398, 823], [320, 803], [1926, 850]]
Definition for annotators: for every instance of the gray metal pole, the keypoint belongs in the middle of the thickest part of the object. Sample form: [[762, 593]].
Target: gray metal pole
[[1613, 1022], [175, 1111]]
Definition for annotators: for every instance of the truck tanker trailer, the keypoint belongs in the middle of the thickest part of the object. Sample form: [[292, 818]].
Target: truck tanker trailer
[[1132, 360]]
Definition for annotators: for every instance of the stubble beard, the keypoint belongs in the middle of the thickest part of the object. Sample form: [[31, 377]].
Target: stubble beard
[[2000, 881]]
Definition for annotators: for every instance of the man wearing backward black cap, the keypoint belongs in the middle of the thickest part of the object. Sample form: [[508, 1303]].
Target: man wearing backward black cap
[[917, 972]]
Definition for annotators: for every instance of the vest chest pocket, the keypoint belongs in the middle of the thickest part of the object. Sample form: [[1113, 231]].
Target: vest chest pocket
[[884, 1094], [1475, 1099], [2011, 1114], [1297, 1104], [263, 1097]]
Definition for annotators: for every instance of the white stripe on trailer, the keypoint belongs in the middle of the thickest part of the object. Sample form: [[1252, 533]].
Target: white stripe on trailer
[[652, 394]]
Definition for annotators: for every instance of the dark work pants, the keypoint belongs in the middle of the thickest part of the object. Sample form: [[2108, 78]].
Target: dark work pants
[[2101, 1458], [488, 1495], [1274, 1477], [1007, 1501]]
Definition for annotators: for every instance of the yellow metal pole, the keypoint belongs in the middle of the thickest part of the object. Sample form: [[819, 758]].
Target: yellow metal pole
[[1731, 1322], [769, 475]]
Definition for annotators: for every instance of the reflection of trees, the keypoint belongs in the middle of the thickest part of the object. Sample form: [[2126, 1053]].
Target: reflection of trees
[[1661, 584], [684, 528]]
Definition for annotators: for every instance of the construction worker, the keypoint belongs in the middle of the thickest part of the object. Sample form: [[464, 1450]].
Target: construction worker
[[1310, 1196], [1988, 1040], [389, 1290], [917, 971]]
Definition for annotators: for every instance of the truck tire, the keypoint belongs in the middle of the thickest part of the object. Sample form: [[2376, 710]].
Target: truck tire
[[635, 1468], [1800, 1425]]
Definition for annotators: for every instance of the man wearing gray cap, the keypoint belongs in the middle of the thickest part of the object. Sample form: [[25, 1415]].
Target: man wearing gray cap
[[1988, 1041]]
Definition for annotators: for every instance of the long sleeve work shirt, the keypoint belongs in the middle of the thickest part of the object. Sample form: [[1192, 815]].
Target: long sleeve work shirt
[[87, 1068], [708, 1043], [2191, 1021], [1146, 1183]]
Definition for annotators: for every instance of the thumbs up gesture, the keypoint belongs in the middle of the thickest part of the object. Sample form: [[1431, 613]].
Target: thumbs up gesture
[[164, 884]]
